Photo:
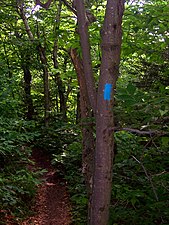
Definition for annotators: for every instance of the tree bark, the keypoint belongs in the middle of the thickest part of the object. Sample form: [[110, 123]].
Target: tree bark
[[86, 116], [20, 10], [42, 54], [111, 35], [86, 57], [102, 180], [46, 84], [58, 80], [27, 88], [59, 83]]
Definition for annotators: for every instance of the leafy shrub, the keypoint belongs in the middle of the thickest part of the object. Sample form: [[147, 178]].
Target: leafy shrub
[[55, 138], [140, 181], [17, 191], [140, 108], [17, 182], [71, 158]]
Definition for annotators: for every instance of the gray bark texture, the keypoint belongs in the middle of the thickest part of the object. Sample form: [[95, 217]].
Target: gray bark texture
[[111, 35]]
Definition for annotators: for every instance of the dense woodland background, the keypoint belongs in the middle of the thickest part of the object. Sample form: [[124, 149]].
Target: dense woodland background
[[40, 107]]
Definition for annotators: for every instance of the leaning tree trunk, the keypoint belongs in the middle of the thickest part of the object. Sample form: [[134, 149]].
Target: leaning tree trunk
[[102, 180], [86, 120], [87, 91], [86, 57]]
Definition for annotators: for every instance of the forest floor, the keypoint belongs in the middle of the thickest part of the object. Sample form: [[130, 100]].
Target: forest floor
[[52, 206]]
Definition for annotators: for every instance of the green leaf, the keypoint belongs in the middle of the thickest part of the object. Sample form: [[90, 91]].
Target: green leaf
[[163, 112], [131, 88], [165, 141], [133, 200]]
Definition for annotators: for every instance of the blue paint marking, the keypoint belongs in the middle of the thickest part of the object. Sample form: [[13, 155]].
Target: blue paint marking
[[107, 91]]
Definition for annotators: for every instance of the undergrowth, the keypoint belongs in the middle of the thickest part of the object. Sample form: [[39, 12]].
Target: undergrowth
[[71, 158], [63, 144], [17, 182], [140, 181], [140, 173]]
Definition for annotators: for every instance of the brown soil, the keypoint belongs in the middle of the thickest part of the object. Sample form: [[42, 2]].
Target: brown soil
[[52, 206]]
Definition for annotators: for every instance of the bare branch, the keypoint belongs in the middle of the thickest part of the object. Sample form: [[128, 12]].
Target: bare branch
[[148, 177], [69, 6], [141, 132], [21, 12], [43, 5]]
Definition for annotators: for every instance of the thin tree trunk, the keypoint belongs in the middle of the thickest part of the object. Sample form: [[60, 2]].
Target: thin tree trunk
[[27, 88], [102, 179], [86, 116], [86, 57], [42, 54], [59, 83], [58, 80], [46, 84]]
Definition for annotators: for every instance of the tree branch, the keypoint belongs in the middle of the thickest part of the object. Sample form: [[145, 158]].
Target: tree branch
[[21, 12], [69, 7], [141, 132], [43, 5]]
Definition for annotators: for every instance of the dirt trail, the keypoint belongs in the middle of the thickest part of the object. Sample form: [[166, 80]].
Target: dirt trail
[[52, 205]]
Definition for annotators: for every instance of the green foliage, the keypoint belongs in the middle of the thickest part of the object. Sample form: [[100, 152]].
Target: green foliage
[[145, 43], [71, 159], [55, 138], [17, 182], [140, 181], [148, 108], [17, 191]]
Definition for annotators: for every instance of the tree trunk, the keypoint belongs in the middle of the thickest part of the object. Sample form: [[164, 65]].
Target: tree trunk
[[87, 92], [42, 54], [46, 84], [58, 80], [27, 88], [86, 117], [25, 65], [102, 179], [86, 57], [59, 83], [78, 114], [103, 105]]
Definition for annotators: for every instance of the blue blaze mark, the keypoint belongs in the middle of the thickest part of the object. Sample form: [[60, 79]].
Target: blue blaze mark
[[107, 91]]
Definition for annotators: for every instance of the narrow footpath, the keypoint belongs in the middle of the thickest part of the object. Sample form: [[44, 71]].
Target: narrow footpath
[[52, 206]]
